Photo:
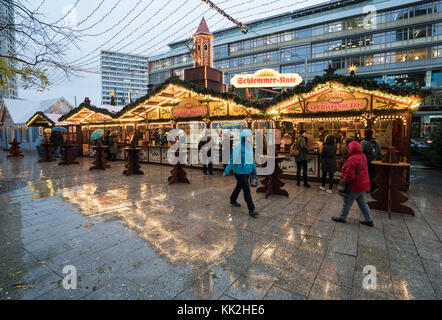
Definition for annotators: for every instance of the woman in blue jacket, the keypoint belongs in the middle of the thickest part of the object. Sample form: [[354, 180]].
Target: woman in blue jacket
[[243, 165]]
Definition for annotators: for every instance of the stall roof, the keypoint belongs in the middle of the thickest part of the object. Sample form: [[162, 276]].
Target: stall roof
[[86, 113], [170, 91], [173, 89], [45, 119], [20, 110], [411, 96]]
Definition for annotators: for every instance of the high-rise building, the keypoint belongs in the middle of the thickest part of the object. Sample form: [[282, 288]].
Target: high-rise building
[[123, 75], [7, 41], [400, 43]]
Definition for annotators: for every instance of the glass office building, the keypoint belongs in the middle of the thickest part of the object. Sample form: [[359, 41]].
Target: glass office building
[[125, 75], [401, 43], [7, 41]]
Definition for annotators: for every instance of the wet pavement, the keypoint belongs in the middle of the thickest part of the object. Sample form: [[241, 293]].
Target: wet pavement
[[138, 238]]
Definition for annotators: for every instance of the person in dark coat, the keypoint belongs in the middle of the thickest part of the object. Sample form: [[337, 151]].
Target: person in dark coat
[[359, 181], [372, 150], [301, 159], [328, 162], [205, 145], [56, 141], [107, 138]]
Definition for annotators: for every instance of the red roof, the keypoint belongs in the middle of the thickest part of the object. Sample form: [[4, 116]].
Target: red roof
[[203, 28]]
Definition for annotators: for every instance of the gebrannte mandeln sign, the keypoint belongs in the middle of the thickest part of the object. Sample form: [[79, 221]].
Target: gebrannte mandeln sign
[[337, 101], [189, 108], [266, 78]]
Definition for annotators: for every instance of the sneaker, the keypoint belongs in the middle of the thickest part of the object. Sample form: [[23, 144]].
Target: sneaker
[[329, 191], [307, 185], [367, 223], [322, 188], [235, 204], [253, 214], [339, 219]]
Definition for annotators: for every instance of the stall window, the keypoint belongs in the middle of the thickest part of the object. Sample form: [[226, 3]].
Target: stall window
[[193, 130], [232, 127]]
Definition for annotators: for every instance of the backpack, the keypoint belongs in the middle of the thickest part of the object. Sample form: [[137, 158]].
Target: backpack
[[372, 150], [294, 151]]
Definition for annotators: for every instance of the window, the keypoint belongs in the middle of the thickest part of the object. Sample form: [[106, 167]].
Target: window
[[335, 27], [437, 51], [319, 48], [437, 29], [418, 54], [317, 31], [379, 58], [303, 33], [338, 63], [378, 38]]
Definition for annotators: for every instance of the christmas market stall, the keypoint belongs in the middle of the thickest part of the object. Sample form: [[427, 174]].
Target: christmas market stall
[[183, 105], [345, 106], [86, 118]]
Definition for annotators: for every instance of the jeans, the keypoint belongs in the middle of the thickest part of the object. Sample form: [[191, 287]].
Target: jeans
[[210, 168], [362, 203], [56, 151], [243, 183], [40, 152], [331, 176], [302, 165]]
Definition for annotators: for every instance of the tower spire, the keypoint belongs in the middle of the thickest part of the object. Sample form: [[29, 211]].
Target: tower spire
[[202, 40], [203, 28]]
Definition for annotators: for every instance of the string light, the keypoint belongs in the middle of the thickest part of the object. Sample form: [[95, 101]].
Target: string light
[[242, 26]]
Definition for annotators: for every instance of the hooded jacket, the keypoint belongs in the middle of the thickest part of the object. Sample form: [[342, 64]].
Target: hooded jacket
[[361, 183], [242, 159], [328, 155]]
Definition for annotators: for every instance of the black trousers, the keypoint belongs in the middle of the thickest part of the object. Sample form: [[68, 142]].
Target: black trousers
[[372, 174], [302, 165], [210, 167], [243, 184], [331, 176]]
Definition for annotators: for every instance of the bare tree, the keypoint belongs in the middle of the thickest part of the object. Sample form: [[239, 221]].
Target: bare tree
[[190, 44], [40, 46]]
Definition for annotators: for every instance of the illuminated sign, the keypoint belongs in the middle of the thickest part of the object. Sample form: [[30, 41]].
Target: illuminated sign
[[266, 78], [337, 101], [189, 108]]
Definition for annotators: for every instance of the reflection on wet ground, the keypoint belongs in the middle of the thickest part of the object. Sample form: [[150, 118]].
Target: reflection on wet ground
[[138, 238]]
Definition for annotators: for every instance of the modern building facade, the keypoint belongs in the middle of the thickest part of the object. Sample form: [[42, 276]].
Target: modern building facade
[[7, 41], [124, 75], [401, 43]]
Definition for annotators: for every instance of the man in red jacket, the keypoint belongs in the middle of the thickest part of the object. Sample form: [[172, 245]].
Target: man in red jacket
[[355, 173]]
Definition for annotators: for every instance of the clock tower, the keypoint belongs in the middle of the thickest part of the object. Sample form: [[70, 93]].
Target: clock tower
[[202, 73], [202, 40]]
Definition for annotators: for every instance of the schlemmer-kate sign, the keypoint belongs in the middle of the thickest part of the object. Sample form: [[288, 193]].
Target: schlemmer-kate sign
[[266, 78]]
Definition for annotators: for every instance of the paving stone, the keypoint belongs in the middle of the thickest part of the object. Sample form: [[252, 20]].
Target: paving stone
[[135, 239], [325, 290], [338, 268]]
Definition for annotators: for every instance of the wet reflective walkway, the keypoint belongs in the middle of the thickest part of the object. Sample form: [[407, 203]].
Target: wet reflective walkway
[[138, 238]]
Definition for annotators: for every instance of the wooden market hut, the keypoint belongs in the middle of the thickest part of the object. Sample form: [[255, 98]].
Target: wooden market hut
[[348, 104]]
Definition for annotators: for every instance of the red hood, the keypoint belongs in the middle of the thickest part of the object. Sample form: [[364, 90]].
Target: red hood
[[354, 148]]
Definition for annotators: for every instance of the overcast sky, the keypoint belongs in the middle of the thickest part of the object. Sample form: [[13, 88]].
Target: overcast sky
[[139, 27]]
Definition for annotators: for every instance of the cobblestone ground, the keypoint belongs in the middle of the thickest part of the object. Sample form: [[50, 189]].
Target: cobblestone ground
[[138, 238]]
